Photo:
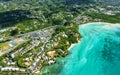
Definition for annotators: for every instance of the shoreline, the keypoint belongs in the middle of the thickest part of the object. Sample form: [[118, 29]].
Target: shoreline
[[100, 23], [71, 46], [110, 24]]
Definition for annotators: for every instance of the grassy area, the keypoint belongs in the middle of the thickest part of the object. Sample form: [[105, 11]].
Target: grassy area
[[4, 46], [13, 73]]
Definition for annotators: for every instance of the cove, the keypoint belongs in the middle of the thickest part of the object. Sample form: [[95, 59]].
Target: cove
[[97, 53]]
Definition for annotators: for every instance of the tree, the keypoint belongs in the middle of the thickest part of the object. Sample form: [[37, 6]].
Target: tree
[[14, 32]]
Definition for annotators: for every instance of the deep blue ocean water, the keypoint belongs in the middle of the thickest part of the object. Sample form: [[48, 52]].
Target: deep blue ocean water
[[97, 53]]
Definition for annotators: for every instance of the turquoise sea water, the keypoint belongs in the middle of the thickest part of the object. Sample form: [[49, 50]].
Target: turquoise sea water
[[97, 53]]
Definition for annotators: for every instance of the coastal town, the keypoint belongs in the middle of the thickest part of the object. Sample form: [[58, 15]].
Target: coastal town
[[32, 51], [34, 33], [25, 45]]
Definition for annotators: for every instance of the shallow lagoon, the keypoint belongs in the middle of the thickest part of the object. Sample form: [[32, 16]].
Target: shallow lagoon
[[97, 53]]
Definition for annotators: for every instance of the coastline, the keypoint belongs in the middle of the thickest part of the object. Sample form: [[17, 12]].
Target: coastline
[[99, 23], [72, 45], [72, 49]]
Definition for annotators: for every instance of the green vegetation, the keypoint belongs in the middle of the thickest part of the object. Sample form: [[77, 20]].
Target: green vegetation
[[22, 45], [4, 46], [13, 73], [14, 32], [2, 64], [65, 36]]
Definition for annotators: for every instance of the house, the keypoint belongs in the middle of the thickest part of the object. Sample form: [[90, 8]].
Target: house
[[12, 43], [51, 54], [9, 68]]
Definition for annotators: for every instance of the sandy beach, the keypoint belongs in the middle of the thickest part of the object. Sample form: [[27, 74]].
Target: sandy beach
[[72, 45]]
